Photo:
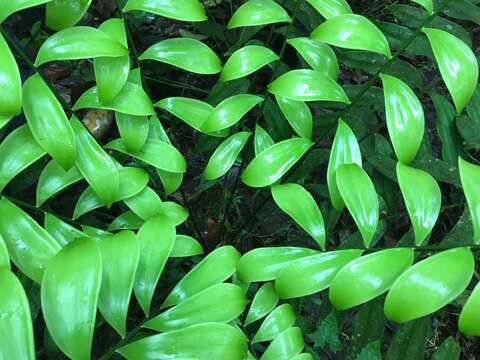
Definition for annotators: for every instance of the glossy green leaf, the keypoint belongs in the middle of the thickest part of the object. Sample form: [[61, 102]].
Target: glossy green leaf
[[185, 53], [4, 256], [279, 320], [311, 274], [225, 155], [70, 44], [359, 194], [47, 121], [422, 197], [264, 264], [302, 356], [264, 301], [457, 63], [427, 4], [111, 73], [429, 285], [367, 277], [62, 14], [17, 152], [298, 203], [215, 268], [331, 8], [345, 150], [262, 140], [95, 233], [230, 111], [192, 111], [317, 54], [285, 346], [205, 306], [307, 85], [54, 179], [272, 163], [10, 7], [352, 31], [132, 100], [405, 119], [133, 130], [16, 332], [132, 181], [183, 10], [4, 120], [126, 221], [258, 12], [203, 342], [11, 100], [469, 321], [298, 116], [96, 165], [247, 60], [171, 181], [470, 177], [60, 230], [30, 246], [145, 204], [69, 293], [120, 257], [186, 246]]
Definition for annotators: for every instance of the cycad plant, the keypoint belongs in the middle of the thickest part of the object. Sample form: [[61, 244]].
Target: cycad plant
[[262, 152]]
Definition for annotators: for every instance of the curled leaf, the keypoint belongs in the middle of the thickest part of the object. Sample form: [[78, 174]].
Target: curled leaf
[[258, 12], [247, 60], [262, 140], [298, 116], [133, 130], [183, 10]]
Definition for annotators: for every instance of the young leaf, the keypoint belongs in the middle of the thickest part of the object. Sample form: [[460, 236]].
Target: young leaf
[[247, 60], [298, 116], [225, 155], [183, 10], [307, 85], [263, 302], [470, 177], [11, 100], [258, 12], [457, 63], [133, 130], [272, 163], [186, 246], [352, 31], [63, 14], [279, 320], [285, 345], [48, 122], [469, 320], [69, 293], [367, 277], [331, 8], [301, 206], [410, 299], [359, 195], [262, 140], [422, 197], [185, 53]]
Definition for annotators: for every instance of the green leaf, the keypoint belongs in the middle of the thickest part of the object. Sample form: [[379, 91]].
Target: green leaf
[[4, 256], [264, 264], [410, 299], [298, 116], [225, 155], [16, 340], [62, 14], [262, 140], [229, 112], [307, 85], [422, 197], [469, 126], [352, 31], [70, 44], [126, 221], [205, 306], [405, 119], [359, 195], [331, 8], [11, 7], [457, 63], [247, 60], [409, 341], [120, 257], [367, 277], [258, 12], [156, 238], [11, 100], [317, 54], [301, 206], [30, 247], [272, 163], [98, 168], [60, 230], [203, 342], [186, 246], [469, 323], [309, 275], [132, 100], [47, 121], [183, 10], [448, 350], [191, 111], [133, 130], [185, 53], [279, 320], [285, 345], [470, 177], [427, 4], [264, 301], [69, 293], [215, 268], [17, 152], [327, 332]]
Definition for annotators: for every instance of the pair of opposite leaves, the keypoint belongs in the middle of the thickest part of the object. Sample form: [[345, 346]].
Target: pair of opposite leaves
[[354, 279]]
